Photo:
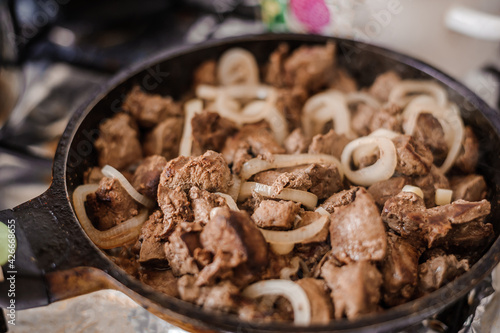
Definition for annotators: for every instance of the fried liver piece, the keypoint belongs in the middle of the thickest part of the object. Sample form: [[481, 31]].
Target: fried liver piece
[[118, 143], [180, 249], [414, 159], [152, 238], [211, 130], [164, 138], [252, 140], [339, 199], [110, 204], [276, 214], [471, 187], [385, 189], [162, 280], [428, 130], [220, 297], [356, 230], [437, 271], [399, 271], [147, 176], [150, 109], [202, 202], [321, 304], [381, 88], [330, 143], [234, 233], [355, 287], [296, 142], [208, 172]]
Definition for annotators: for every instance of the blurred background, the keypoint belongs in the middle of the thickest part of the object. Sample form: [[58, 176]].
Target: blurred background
[[55, 53]]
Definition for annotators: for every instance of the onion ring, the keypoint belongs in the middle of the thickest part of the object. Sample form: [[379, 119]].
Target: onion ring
[[308, 199], [399, 92], [237, 65]]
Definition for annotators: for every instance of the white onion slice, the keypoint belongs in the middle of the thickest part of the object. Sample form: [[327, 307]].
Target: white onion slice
[[236, 91], [269, 112], [118, 235], [401, 91], [383, 169], [229, 201], [362, 97], [322, 211], [454, 119], [288, 289], [413, 189], [368, 150], [443, 196], [296, 235], [282, 248], [308, 199], [325, 106], [234, 190], [191, 108], [237, 65], [256, 165], [110, 172]]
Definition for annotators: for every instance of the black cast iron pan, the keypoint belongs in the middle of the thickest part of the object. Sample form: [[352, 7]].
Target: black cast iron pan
[[55, 259]]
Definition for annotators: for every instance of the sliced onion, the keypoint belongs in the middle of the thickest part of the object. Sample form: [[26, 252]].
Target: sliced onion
[[383, 169], [384, 133], [256, 165], [362, 97], [457, 127], [296, 235], [229, 201], [322, 211], [443, 196], [234, 190], [420, 104], [282, 248], [110, 172], [118, 235], [191, 108], [368, 150], [400, 93], [413, 189], [308, 199], [237, 65], [288, 289], [236, 91], [325, 106]]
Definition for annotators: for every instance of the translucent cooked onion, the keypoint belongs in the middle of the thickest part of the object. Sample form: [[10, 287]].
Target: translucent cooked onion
[[118, 235], [110, 172], [287, 272], [362, 97], [237, 66], [288, 289], [274, 118], [382, 169], [322, 211], [282, 248], [403, 92], [443, 196], [236, 91], [256, 165], [191, 108], [413, 189], [368, 150], [234, 190], [308, 199], [296, 235], [454, 119], [229, 201], [323, 107]]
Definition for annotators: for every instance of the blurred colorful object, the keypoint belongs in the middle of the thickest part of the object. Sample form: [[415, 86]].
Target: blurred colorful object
[[326, 17]]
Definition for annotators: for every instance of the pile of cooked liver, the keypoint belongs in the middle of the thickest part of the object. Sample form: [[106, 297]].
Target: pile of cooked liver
[[382, 247]]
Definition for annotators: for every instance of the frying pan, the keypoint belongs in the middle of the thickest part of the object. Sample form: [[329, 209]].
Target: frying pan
[[56, 260]]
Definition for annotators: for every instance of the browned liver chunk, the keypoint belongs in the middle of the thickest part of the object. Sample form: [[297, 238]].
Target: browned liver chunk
[[341, 198], [175, 207], [468, 158], [330, 143], [276, 214], [428, 130], [438, 271], [296, 142], [180, 248], [110, 204], [118, 143], [399, 271], [290, 102], [149, 109], [321, 304], [211, 131], [429, 183], [163, 281], [208, 172], [355, 287], [413, 157], [205, 73], [471, 187], [152, 238], [203, 202], [164, 139], [356, 230], [383, 85], [385, 189], [147, 176]]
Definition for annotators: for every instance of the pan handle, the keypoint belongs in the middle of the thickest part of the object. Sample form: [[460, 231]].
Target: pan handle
[[44, 251]]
